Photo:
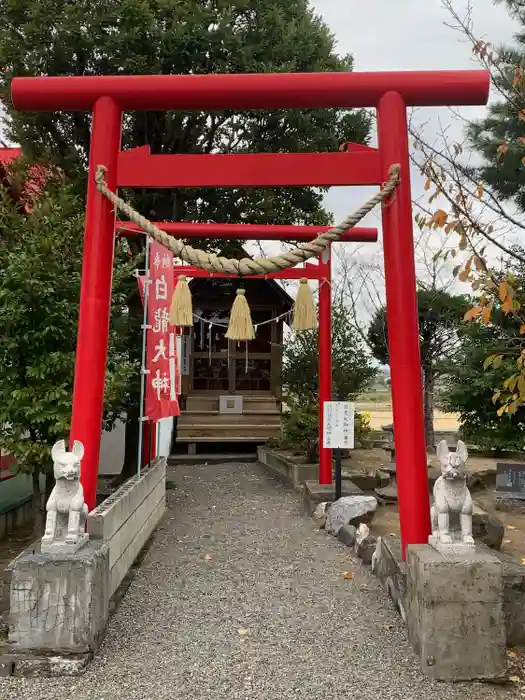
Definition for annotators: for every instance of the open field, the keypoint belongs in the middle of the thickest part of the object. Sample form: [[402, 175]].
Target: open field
[[379, 405]]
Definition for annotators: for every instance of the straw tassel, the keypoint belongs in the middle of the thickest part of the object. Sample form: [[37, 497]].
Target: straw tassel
[[304, 316], [181, 311], [240, 326]]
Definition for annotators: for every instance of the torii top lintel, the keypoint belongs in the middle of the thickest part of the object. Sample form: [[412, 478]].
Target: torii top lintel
[[250, 91]]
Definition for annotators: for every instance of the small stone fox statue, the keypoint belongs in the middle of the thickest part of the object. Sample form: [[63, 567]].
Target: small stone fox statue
[[66, 510], [451, 513]]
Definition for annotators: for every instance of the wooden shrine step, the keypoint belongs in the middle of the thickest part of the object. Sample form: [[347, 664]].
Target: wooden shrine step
[[188, 418], [231, 431]]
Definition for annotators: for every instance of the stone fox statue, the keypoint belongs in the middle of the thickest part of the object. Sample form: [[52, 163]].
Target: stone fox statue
[[66, 510], [452, 510]]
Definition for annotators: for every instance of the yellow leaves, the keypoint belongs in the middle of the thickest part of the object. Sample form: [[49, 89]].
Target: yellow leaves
[[479, 264], [485, 313], [521, 385], [428, 183], [463, 275], [439, 219], [506, 296], [523, 160], [473, 313], [242, 631], [480, 191], [494, 360], [347, 575], [501, 410], [515, 679], [522, 328], [511, 382]]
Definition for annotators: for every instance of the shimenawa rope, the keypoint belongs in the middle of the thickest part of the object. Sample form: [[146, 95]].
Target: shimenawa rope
[[247, 266]]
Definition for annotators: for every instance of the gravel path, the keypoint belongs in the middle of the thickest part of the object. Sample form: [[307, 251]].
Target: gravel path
[[240, 597]]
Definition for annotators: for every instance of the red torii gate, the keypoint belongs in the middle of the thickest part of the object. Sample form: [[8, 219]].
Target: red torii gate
[[390, 93]]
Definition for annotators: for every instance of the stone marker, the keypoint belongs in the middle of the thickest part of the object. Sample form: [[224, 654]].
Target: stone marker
[[350, 510]]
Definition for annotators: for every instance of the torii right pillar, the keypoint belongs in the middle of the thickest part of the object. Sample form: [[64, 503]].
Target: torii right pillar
[[403, 325]]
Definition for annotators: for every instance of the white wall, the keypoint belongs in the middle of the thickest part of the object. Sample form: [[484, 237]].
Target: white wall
[[112, 450], [165, 429]]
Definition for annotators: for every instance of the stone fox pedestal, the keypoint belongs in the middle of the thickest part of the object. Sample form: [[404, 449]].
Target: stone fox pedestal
[[455, 613], [59, 608]]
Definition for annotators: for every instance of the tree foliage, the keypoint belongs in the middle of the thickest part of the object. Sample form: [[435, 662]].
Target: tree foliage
[[440, 314], [40, 266], [351, 366], [96, 37], [138, 37], [471, 383], [352, 370], [473, 208]]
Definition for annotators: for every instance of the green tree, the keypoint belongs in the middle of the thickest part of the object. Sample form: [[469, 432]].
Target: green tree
[[351, 366], [351, 372], [468, 389], [97, 37], [440, 315], [40, 270]]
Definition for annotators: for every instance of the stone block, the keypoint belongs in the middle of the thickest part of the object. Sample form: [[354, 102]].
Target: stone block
[[105, 520], [513, 599], [50, 666], [365, 544], [315, 493], [126, 520], [389, 567], [367, 482], [286, 470], [346, 535], [487, 528], [455, 614], [6, 667], [350, 510], [59, 603]]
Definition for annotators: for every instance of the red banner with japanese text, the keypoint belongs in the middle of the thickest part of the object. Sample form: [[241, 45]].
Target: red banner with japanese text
[[163, 374]]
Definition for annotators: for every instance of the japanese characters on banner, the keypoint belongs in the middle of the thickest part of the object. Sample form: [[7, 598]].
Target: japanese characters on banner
[[163, 376], [338, 425]]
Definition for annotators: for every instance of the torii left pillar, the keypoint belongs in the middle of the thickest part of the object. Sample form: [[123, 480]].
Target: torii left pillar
[[95, 294]]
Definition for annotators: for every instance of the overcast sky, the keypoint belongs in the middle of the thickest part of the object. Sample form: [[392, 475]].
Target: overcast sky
[[385, 35], [388, 35]]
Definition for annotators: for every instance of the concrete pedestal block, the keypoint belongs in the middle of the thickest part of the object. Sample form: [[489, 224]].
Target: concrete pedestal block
[[455, 614], [59, 603]]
